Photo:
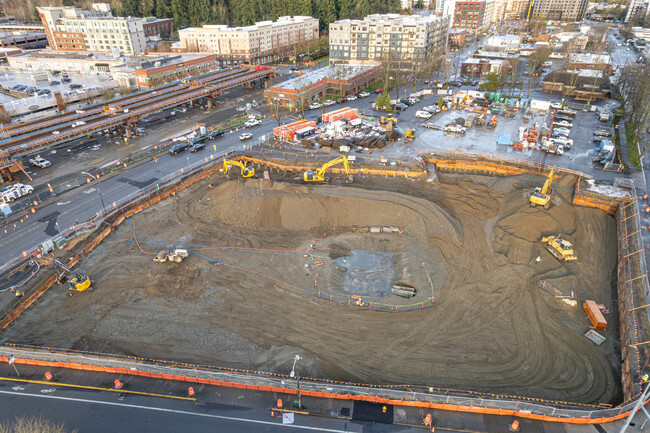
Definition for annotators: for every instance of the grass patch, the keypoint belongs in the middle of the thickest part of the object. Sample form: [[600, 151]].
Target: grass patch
[[233, 122], [322, 59], [373, 87], [632, 148], [618, 111]]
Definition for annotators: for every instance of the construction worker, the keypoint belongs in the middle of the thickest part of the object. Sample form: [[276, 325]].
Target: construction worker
[[645, 378], [537, 260], [16, 291]]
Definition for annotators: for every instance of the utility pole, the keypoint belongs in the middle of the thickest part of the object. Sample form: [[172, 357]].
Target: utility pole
[[90, 176]]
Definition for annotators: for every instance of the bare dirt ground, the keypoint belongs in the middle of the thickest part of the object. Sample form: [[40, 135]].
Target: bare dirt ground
[[497, 324]]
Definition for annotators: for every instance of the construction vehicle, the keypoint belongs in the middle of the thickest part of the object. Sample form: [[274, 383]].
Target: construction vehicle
[[318, 176], [410, 136], [384, 120], [560, 248], [542, 196], [75, 281], [245, 171], [493, 122], [175, 255]]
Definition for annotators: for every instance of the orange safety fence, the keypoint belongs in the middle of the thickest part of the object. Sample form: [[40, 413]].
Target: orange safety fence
[[328, 395]]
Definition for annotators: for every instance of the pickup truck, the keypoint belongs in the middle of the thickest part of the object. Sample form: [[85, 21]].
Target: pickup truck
[[40, 162], [550, 146]]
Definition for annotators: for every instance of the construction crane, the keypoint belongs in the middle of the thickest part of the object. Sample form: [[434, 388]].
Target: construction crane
[[76, 282], [318, 176], [245, 171], [542, 196]]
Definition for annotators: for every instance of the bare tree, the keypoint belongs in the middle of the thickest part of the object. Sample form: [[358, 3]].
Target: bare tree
[[32, 425], [634, 87], [276, 109]]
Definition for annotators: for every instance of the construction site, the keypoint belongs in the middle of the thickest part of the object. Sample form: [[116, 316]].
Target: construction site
[[436, 277]]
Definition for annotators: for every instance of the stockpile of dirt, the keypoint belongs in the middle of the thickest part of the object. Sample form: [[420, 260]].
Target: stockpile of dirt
[[496, 324]]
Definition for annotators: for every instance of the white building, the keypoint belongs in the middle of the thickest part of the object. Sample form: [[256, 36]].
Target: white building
[[636, 8], [262, 42], [72, 29], [408, 37]]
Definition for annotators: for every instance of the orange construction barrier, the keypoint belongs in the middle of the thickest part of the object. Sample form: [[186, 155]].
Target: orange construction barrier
[[48, 376], [427, 419], [279, 403], [118, 384], [190, 391], [514, 427], [645, 196]]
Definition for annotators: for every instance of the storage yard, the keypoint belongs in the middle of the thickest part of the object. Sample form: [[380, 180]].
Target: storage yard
[[265, 256]]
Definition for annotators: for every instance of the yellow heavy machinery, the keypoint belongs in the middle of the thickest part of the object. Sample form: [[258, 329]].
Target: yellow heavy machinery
[[75, 281], [384, 120], [319, 176], [560, 248], [245, 171], [410, 136], [542, 196]]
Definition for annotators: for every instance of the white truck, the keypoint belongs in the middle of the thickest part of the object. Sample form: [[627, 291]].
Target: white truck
[[550, 146], [40, 162], [17, 190]]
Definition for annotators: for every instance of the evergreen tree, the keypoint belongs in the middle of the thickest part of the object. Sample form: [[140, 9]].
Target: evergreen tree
[[362, 9], [219, 12], [131, 8], [345, 9], [326, 13], [148, 8], [306, 8], [163, 9], [198, 12], [179, 13]]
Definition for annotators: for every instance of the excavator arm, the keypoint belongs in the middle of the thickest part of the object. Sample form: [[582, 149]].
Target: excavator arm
[[319, 176], [549, 181]]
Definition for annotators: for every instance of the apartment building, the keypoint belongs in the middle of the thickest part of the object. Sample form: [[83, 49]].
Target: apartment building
[[637, 8], [473, 15], [559, 10], [411, 37], [263, 42], [410, 4], [72, 29]]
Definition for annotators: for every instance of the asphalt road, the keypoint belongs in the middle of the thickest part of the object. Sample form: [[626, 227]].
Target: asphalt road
[[99, 412]]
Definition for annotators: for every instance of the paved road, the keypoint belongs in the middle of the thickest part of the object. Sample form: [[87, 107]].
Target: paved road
[[98, 412]]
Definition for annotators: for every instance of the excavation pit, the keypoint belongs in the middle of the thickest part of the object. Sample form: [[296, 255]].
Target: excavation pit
[[261, 286]]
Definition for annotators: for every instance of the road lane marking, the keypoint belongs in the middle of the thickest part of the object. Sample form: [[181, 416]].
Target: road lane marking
[[175, 411]]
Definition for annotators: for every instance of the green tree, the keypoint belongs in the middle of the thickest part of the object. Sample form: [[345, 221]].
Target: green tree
[[493, 83], [148, 8], [326, 13], [345, 9], [306, 7], [131, 8], [179, 13], [199, 11], [163, 9], [362, 9]]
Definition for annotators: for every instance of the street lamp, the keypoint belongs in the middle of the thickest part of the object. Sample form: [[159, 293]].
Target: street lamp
[[98, 191], [292, 374]]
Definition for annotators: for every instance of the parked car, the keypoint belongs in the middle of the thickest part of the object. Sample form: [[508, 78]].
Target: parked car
[[352, 98], [55, 132], [56, 72], [563, 123], [421, 114], [560, 133], [177, 148], [245, 136], [603, 133], [75, 86], [400, 106], [432, 109], [54, 82], [380, 90], [197, 146], [252, 122], [565, 142], [78, 123], [66, 80], [315, 106], [341, 100], [40, 162], [328, 103], [44, 92], [429, 125], [364, 94]]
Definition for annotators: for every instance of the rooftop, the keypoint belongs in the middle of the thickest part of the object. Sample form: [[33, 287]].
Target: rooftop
[[388, 19], [282, 21], [337, 72], [590, 58]]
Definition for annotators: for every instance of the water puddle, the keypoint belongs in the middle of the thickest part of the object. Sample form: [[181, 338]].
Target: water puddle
[[368, 272]]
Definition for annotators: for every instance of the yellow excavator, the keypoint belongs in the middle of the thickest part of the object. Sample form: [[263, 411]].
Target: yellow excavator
[[560, 248], [410, 136], [245, 171], [75, 281], [319, 176], [542, 196]]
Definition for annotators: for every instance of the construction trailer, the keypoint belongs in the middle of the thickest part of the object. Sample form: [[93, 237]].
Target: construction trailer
[[288, 131]]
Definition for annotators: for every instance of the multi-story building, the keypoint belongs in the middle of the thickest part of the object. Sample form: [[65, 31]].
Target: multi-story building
[[637, 8], [516, 9], [559, 10], [410, 4], [71, 29], [473, 15], [367, 41], [265, 41]]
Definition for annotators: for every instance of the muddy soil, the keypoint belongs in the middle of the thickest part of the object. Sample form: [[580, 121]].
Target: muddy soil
[[499, 323]]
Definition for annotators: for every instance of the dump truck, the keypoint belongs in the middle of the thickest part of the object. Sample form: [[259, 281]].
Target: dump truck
[[469, 122], [175, 255]]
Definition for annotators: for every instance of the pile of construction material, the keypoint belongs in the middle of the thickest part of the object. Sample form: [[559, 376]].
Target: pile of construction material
[[368, 142]]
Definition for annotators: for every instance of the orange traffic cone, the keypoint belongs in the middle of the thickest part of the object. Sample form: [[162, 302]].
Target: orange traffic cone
[[190, 391], [279, 403], [48, 376], [514, 427], [118, 384]]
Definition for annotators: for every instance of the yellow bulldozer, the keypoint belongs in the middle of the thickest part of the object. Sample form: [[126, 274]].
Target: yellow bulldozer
[[319, 175], [384, 120], [542, 196], [245, 171], [560, 248]]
